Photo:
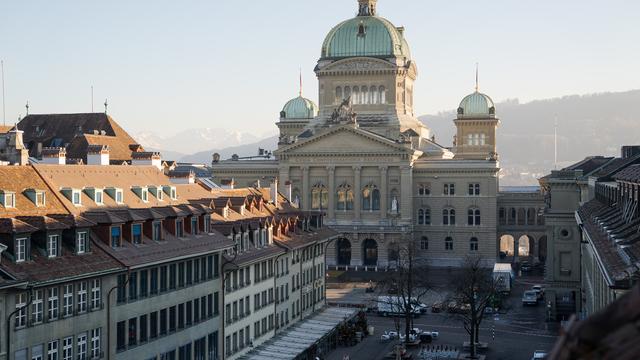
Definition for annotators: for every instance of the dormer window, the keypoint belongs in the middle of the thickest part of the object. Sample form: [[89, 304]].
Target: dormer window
[[73, 195], [194, 225], [180, 228], [116, 194], [158, 192], [96, 195], [53, 245], [136, 233], [171, 191], [157, 230], [142, 192], [37, 197], [81, 243], [116, 236], [8, 199], [21, 250]]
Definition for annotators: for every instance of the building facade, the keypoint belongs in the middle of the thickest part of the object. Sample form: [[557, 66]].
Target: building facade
[[363, 158]]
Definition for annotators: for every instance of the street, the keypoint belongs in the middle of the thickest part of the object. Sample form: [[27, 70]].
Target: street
[[512, 334]]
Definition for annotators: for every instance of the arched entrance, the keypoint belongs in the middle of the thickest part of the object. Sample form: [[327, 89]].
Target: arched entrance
[[524, 246], [370, 253], [344, 252], [507, 246]]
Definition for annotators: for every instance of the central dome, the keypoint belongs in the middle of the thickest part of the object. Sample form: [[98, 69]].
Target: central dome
[[365, 35]]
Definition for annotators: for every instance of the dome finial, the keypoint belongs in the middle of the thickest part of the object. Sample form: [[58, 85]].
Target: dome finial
[[367, 7], [300, 92], [477, 77]]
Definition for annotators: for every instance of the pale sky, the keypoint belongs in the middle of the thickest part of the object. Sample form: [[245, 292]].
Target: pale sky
[[169, 65]]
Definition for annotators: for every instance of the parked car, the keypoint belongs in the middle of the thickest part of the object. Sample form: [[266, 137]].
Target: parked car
[[525, 266], [455, 308], [529, 298], [539, 291], [538, 355], [389, 335], [436, 307]]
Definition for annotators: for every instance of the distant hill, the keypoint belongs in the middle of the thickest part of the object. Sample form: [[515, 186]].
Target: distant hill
[[270, 143], [596, 124]]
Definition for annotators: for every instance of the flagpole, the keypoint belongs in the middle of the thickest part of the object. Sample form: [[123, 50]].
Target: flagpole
[[4, 115]]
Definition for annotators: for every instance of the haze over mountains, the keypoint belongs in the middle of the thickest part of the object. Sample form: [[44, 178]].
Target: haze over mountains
[[596, 124]]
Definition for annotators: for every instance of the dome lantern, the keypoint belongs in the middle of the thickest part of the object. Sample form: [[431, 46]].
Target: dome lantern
[[299, 108], [367, 7]]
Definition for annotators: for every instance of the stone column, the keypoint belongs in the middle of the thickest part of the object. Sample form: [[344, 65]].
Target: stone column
[[384, 197], [331, 170], [284, 175], [405, 193], [306, 189], [357, 192]]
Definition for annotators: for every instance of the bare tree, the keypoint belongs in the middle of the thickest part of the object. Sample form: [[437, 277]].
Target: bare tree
[[474, 291], [407, 283]]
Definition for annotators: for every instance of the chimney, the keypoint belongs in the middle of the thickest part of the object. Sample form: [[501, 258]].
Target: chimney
[[146, 159], [54, 155], [182, 177], [15, 138], [288, 190], [98, 155], [273, 191]]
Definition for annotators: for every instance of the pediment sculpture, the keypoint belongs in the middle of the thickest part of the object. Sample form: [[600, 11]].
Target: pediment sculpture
[[344, 113]]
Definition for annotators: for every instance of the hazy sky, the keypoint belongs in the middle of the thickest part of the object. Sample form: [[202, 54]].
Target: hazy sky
[[168, 65]]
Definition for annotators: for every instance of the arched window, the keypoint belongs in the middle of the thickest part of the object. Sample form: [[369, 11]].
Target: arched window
[[448, 243], [476, 139], [421, 217], [473, 217], [347, 92], [374, 98], [424, 189], [319, 197], [356, 95], [424, 216], [448, 217], [424, 243], [473, 244], [512, 216], [370, 198], [339, 95], [364, 95], [383, 94], [344, 197]]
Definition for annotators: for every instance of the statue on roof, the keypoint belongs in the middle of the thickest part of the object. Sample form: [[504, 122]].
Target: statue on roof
[[344, 113]]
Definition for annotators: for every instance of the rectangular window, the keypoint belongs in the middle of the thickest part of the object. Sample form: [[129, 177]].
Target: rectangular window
[[133, 286], [21, 306], [52, 350], [154, 281], [194, 225], [37, 306], [98, 196], [209, 306], [181, 274], [52, 245], [153, 325], [216, 304], [181, 316], [172, 276], [474, 189], [199, 348], [133, 332], [21, 250], [96, 298], [163, 321], [119, 196], [121, 335], [53, 303], [184, 352], [143, 328], [196, 311], [172, 319], [216, 265], [179, 228], [136, 233], [144, 283], [157, 230], [67, 348], [203, 269], [115, 236], [210, 267], [95, 343], [81, 242], [75, 197], [196, 270], [189, 272], [67, 300], [189, 306], [81, 345], [212, 347], [450, 189], [163, 278]]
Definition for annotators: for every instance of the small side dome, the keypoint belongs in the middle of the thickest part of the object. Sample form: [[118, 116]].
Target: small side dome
[[299, 108], [477, 105]]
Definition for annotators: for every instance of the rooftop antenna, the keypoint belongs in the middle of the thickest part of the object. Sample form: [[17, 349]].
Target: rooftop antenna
[[91, 98], [27, 107], [105, 106], [300, 82], [476, 77], [555, 143], [4, 116]]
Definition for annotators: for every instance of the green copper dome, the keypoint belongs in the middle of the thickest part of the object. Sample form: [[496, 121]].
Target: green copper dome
[[299, 108], [476, 105], [365, 36]]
